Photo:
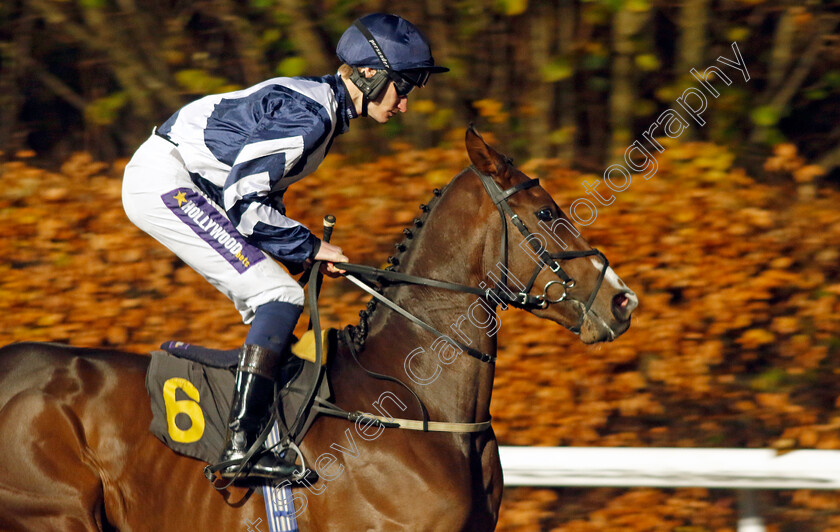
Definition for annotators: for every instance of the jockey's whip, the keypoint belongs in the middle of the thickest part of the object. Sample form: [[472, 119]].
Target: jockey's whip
[[329, 223]]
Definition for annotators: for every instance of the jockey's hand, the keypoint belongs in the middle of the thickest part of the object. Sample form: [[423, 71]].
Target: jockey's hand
[[330, 254]]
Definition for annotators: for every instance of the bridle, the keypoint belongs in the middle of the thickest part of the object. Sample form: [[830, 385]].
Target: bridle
[[523, 299], [502, 292]]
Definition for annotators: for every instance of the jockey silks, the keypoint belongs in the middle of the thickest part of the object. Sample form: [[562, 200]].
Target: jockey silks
[[212, 191], [244, 148]]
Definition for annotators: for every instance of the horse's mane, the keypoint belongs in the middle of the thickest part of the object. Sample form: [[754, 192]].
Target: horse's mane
[[359, 332]]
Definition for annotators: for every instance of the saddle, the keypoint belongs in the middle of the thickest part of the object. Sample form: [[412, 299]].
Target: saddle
[[191, 389]]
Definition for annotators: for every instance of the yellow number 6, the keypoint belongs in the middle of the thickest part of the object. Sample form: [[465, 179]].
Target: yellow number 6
[[190, 407]]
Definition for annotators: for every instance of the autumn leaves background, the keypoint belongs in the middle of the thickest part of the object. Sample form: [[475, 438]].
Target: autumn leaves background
[[733, 343], [732, 246]]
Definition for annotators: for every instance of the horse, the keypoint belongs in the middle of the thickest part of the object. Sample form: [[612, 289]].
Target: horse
[[76, 452]]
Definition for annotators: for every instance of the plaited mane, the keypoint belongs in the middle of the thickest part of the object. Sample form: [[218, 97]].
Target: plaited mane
[[359, 332]]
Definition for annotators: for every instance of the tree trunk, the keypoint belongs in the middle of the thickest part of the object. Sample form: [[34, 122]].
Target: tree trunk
[[306, 40], [783, 42], [443, 87], [692, 42], [626, 24], [541, 92], [778, 100], [692, 39], [248, 47], [566, 101], [13, 56]]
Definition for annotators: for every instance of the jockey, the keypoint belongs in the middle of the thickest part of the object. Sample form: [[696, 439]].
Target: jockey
[[209, 185]]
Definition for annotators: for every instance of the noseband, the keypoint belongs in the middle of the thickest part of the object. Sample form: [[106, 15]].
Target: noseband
[[523, 299]]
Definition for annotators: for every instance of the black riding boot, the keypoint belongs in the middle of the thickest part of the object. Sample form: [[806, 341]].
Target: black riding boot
[[252, 397]]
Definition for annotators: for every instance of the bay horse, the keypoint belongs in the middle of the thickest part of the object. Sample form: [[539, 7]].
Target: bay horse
[[76, 453]]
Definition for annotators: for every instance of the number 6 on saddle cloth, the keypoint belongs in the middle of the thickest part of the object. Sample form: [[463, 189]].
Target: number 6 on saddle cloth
[[191, 389]]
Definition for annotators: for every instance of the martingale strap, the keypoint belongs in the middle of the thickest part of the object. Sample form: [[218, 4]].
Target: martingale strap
[[424, 425], [484, 357], [327, 408]]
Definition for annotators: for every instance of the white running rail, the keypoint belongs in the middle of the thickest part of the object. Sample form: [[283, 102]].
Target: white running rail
[[746, 470]]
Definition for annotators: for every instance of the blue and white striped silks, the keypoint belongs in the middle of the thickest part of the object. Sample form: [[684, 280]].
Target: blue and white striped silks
[[244, 148]]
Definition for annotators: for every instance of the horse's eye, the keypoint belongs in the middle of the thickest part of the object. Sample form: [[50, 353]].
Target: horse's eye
[[544, 214]]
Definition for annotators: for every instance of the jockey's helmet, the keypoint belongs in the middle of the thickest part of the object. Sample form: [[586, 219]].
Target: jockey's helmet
[[391, 45]]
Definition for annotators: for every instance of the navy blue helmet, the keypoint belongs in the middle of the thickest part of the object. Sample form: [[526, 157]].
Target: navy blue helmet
[[402, 44], [392, 44]]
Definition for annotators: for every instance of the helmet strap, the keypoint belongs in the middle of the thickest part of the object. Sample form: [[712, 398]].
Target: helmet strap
[[372, 86]]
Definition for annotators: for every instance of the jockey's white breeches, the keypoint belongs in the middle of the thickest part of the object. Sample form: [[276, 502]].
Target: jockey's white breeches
[[160, 198]]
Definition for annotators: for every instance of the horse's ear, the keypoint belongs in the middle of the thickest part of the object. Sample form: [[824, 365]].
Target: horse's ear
[[482, 155]]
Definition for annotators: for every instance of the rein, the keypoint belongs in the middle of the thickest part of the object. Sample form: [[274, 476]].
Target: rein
[[502, 292], [374, 273]]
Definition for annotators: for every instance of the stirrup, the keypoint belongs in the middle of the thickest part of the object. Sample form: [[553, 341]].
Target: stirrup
[[236, 471], [301, 472], [254, 470]]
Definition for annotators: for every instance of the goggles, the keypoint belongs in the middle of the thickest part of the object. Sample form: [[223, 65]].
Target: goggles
[[405, 82]]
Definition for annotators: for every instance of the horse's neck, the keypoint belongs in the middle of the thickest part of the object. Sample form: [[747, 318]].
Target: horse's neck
[[449, 247]]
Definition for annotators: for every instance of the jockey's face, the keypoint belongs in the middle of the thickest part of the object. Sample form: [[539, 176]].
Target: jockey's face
[[388, 104]]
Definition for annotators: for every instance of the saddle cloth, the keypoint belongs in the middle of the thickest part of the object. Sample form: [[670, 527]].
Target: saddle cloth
[[191, 389]]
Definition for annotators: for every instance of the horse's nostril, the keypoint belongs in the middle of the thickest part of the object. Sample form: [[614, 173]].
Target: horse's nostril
[[624, 304], [620, 301]]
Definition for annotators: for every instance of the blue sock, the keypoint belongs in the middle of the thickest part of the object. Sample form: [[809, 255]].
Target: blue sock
[[273, 325]]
